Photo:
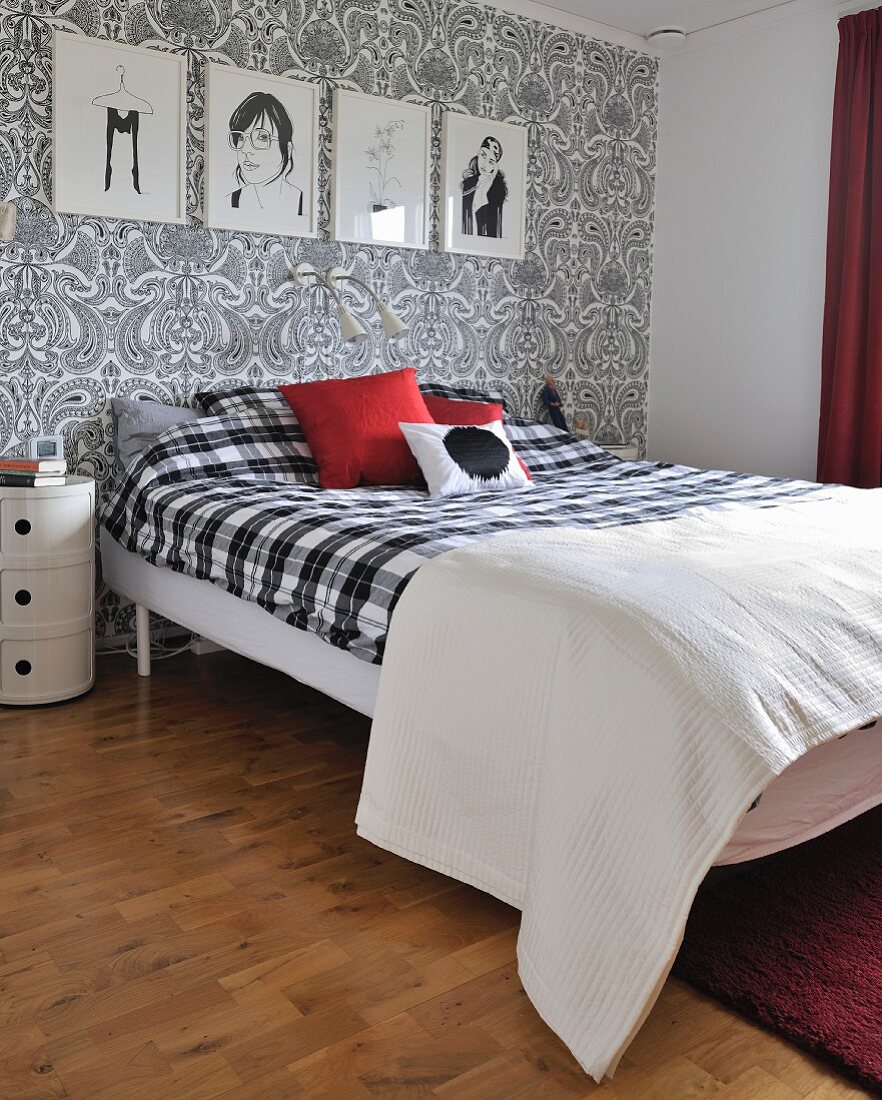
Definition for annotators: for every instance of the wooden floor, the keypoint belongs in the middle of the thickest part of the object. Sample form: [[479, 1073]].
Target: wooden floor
[[186, 911]]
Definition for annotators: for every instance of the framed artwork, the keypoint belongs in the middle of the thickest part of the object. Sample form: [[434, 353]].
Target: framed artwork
[[380, 171], [261, 153], [119, 130], [483, 186]]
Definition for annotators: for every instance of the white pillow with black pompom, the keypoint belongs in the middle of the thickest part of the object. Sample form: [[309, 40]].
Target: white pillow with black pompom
[[458, 460]]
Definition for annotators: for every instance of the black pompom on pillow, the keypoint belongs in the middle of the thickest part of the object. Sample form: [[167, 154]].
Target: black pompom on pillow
[[465, 459]]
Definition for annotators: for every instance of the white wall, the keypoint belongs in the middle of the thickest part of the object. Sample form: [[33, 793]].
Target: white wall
[[741, 221]]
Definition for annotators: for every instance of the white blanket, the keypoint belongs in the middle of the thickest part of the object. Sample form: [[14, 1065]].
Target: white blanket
[[506, 749]]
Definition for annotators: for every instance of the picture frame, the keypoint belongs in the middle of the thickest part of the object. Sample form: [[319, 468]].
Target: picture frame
[[380, 171], [119, 130], [483, 217], [266, 183]]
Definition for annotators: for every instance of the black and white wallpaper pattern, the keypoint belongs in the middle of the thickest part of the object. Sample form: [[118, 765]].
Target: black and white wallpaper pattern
[[91, 307]]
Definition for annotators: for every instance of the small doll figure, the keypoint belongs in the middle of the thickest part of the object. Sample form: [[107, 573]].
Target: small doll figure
[[552, 401]]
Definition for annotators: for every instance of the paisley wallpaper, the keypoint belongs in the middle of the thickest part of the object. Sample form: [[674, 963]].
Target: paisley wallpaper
[[91, 307]]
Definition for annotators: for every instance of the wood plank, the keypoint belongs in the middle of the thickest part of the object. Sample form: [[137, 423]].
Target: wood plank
[[186, 912]]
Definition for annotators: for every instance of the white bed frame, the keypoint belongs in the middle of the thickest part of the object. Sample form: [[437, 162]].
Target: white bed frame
[[840, 780], [235, 624]]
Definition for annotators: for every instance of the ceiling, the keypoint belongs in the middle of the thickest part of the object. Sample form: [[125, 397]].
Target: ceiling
[[644, 16]]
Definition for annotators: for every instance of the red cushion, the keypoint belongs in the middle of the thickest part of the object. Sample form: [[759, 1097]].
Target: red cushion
[[351, 426], [464, 414]]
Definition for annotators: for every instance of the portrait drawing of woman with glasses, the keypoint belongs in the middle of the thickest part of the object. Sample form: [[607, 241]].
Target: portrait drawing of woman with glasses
[[261, 137], [484, 192]]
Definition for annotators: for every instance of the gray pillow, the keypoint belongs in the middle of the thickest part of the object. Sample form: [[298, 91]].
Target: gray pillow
[[138, 424]]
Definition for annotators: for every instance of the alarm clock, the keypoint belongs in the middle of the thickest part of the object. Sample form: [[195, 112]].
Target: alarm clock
[[46, 446]]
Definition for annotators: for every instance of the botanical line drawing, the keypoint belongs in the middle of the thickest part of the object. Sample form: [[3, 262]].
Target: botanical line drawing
[[380, 157]]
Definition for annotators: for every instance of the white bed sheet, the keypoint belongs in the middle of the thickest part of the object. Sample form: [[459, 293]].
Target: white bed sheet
[[826, 788]]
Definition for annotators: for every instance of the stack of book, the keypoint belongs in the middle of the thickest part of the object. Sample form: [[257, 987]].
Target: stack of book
[[29, 472]]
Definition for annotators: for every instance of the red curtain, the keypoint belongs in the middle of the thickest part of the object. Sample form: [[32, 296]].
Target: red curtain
[[850, 441]]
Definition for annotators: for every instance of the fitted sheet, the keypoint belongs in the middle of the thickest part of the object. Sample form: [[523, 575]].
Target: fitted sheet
[[825, 788]]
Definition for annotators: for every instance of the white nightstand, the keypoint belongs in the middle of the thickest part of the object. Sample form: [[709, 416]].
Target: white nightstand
[[628, 451], [47, 592]]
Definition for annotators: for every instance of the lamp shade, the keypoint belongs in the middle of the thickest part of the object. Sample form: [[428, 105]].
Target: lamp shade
[[393, 326], [351, 329]]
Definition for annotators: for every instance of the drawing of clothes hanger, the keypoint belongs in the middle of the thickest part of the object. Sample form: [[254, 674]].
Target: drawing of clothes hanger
[[124, 112], [122, 101]]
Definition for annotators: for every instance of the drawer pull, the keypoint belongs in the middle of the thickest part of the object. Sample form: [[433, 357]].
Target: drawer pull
[[22, 526], [23, 668], [22, 597]]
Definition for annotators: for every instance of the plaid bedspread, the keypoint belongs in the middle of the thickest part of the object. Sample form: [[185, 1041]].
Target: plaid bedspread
[[217, 499]]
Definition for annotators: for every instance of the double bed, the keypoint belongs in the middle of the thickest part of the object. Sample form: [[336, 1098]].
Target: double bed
[[209, 529]]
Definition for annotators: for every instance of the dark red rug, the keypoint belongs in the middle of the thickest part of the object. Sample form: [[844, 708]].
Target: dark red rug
[[794, 942]]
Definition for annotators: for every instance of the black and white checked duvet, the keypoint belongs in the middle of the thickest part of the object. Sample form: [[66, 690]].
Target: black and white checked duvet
[[223, 500]]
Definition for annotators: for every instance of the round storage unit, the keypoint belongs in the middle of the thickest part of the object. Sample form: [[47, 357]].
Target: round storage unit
[[47, 592]]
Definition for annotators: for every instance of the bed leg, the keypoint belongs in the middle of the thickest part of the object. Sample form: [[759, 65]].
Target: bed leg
[[142, 637]]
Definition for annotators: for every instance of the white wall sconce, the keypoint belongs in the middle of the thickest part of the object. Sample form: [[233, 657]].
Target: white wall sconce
[[8, 221], [393, 326], [350, 327]]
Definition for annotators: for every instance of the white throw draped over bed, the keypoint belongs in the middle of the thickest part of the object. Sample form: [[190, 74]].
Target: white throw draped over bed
[[577, 720]]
